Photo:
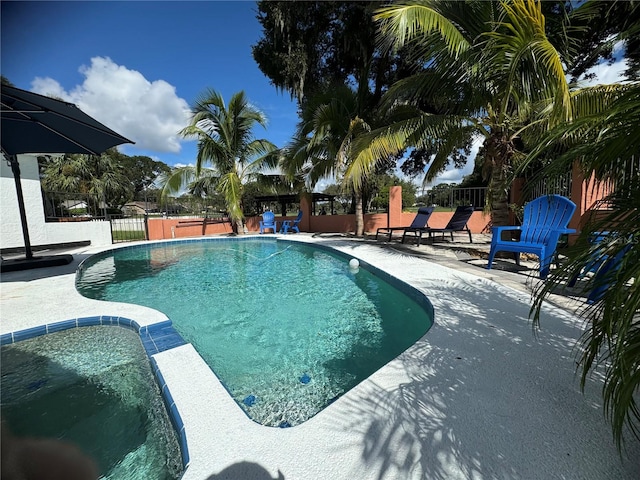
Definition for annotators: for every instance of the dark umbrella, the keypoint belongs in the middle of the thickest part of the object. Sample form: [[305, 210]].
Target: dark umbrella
[[32, 123]]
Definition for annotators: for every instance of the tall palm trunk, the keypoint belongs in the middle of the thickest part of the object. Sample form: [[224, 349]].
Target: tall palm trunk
[[359, 214], [499, 153], [239, 226]]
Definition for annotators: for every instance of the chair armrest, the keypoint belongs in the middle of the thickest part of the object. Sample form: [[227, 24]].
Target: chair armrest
[[499, 230]]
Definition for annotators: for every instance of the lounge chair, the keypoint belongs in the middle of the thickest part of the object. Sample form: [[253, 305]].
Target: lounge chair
[[457, 223], [268, 222], [419, 221], [545, 219], [291, 225]]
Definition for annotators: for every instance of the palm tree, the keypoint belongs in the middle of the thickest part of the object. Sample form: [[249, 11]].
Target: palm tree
[[497, 74], [226, 142], [98, 176], [489, 67], [605, 141], [321, 147]]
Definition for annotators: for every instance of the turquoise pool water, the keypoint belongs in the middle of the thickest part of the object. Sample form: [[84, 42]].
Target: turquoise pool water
[[287, 328], [93, 387]]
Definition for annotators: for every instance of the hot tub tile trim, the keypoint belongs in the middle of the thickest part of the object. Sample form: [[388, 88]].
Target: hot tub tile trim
[[167, 336]]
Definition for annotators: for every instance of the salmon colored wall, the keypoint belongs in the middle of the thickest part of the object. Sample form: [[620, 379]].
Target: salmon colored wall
[[168, 228], [162, 228], [478, 223], [585, 194]]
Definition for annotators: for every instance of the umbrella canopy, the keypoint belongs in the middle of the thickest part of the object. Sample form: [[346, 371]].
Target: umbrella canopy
[[32, 123]]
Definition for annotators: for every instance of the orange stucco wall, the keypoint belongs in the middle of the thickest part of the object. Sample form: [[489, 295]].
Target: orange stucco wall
[[162, 228], [175, 228], [171, 228]]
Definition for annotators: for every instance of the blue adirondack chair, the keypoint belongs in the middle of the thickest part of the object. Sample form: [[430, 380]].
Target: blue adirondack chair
[[289, 225], [602, 263], [605, 275], [545, 219], [421, 220], [268, 222]]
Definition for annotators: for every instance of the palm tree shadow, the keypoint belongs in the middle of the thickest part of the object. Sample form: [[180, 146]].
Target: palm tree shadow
[[481, 388]]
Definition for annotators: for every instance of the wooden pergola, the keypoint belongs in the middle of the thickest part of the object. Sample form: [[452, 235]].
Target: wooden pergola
[[288, 199]]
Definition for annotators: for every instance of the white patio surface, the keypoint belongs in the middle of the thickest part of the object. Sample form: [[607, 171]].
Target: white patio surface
[[480, 396]]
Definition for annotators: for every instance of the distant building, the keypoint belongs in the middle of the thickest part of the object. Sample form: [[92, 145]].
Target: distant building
[[140, 208]]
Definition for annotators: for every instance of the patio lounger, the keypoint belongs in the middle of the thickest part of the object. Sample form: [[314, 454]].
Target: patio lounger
[[457, 223], [419, 221]]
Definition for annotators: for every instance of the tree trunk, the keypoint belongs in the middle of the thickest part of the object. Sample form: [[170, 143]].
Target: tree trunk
[[499, 152], [359, 215], [239, 227]]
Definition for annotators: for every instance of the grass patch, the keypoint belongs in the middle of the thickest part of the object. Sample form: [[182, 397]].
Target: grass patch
[[128, 235], [437, 209]]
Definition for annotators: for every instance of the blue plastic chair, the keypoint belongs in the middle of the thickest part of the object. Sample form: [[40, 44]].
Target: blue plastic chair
[[288, 225], [605, 275], [421, 220], [545, 220], [602, 264], [268, 222]]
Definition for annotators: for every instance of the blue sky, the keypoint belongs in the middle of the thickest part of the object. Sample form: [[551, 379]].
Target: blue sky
[[137, 66]]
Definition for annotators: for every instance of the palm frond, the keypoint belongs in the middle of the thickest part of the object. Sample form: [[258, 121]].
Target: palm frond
[[604, 141], [176, 180], [293, 157], [403, 22], [524, 62], [607, 130], [612, 337]]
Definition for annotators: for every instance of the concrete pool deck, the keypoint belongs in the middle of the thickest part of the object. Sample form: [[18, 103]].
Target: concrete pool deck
[[478, 397]]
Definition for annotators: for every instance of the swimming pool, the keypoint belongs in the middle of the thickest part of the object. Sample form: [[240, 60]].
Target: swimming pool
[[287, 328], [93, 387]]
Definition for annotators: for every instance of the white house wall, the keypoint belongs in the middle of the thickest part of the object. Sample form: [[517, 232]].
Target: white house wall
[[40, 232]]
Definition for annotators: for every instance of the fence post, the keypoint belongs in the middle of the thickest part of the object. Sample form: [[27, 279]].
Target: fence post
[[394, 215], [305, 207]]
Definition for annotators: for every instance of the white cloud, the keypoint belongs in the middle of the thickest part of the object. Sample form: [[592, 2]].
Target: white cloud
[[49, 87], [323, 184], [147, 112], [605, 73], [455, 175]]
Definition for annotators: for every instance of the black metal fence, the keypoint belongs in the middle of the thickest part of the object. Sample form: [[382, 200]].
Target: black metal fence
[[453, 197], [129, 228], [560, 185], [68, 207], [60, 206]]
